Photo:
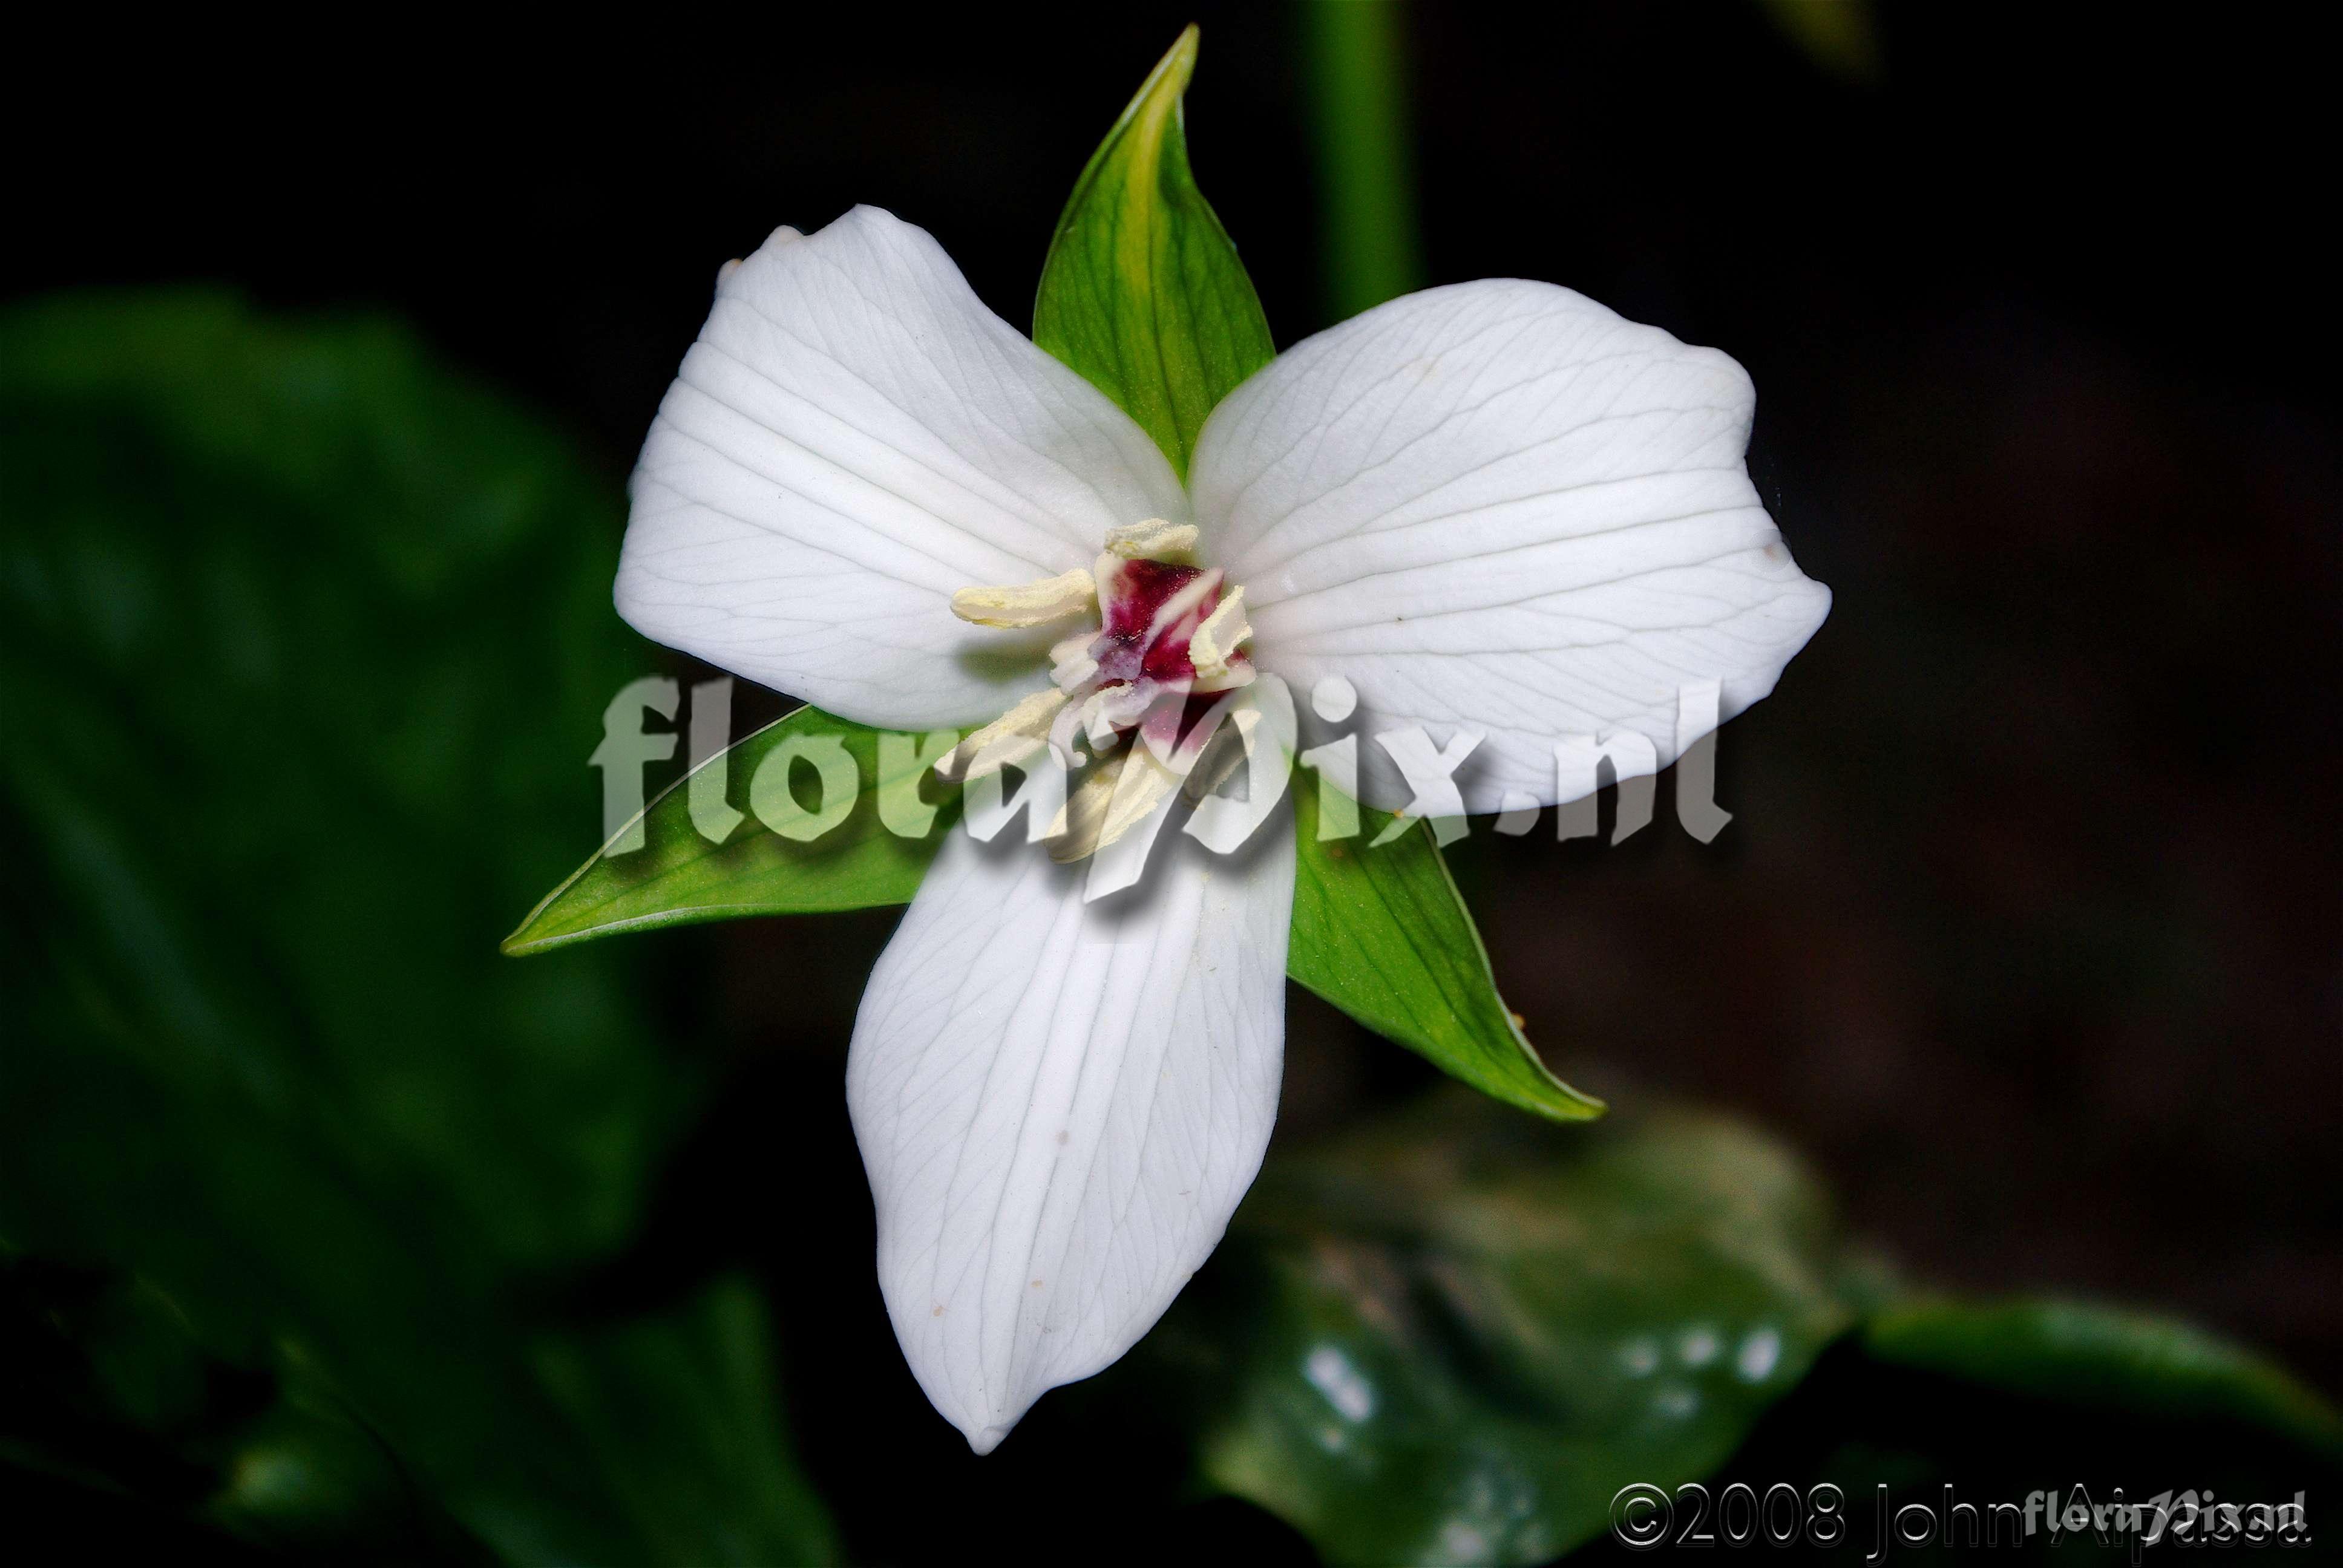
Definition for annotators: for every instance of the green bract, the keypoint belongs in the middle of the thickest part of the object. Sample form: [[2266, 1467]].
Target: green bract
[[681, 876], [1384, 934], [1143, 294], [1142, 291]]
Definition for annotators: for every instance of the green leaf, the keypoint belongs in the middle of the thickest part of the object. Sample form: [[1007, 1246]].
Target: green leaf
[[1142, 291], [2104, 1359], [1453, 1336], [700, 1475], [1384, 934], [679, 876], [309, 630], [1992, 1403], [110, 1393]]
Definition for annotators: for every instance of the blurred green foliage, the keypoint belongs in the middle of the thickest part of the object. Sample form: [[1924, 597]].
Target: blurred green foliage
[[302, 636], [2097, 1358], [1452, 1336], [1941, 1402]]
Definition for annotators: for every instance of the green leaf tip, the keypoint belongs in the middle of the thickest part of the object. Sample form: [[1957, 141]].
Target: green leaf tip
[[1170, 79], [678, 876], [1143, 292], [1384, 934]]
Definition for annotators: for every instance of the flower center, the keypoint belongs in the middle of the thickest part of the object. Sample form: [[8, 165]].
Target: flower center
[[1161, 632]]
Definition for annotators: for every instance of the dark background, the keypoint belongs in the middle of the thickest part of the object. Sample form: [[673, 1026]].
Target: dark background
[[2026, 927]]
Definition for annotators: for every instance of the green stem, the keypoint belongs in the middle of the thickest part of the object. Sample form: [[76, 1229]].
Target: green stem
[[1366, 172]]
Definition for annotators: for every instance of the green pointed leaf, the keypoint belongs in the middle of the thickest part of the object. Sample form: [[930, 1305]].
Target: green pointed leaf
[[1384, 934], [2104, 1359], [1452, 1336], [679, 876], [1142, 291]]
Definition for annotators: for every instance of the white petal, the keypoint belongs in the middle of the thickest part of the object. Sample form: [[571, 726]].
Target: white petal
[[853, 437], [1060, 1104], [1500, 507]]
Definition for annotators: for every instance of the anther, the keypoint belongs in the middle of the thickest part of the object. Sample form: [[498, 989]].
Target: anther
[[1154, 541], [1059, 598]]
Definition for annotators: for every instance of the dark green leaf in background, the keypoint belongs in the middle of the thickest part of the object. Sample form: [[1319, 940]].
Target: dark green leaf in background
[[680, 1412], [1142, 291], [1451, 1337], [105, 1395], [1995, 1404], [2103, 1359], [305, 642]]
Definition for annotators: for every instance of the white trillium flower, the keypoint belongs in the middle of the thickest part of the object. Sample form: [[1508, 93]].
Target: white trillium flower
[[1495, 507]]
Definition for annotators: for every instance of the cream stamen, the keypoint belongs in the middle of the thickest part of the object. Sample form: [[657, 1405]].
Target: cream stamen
[[1154, 541], [1033, 604], [1119, 795], [1009, 740], [1218, 635]]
